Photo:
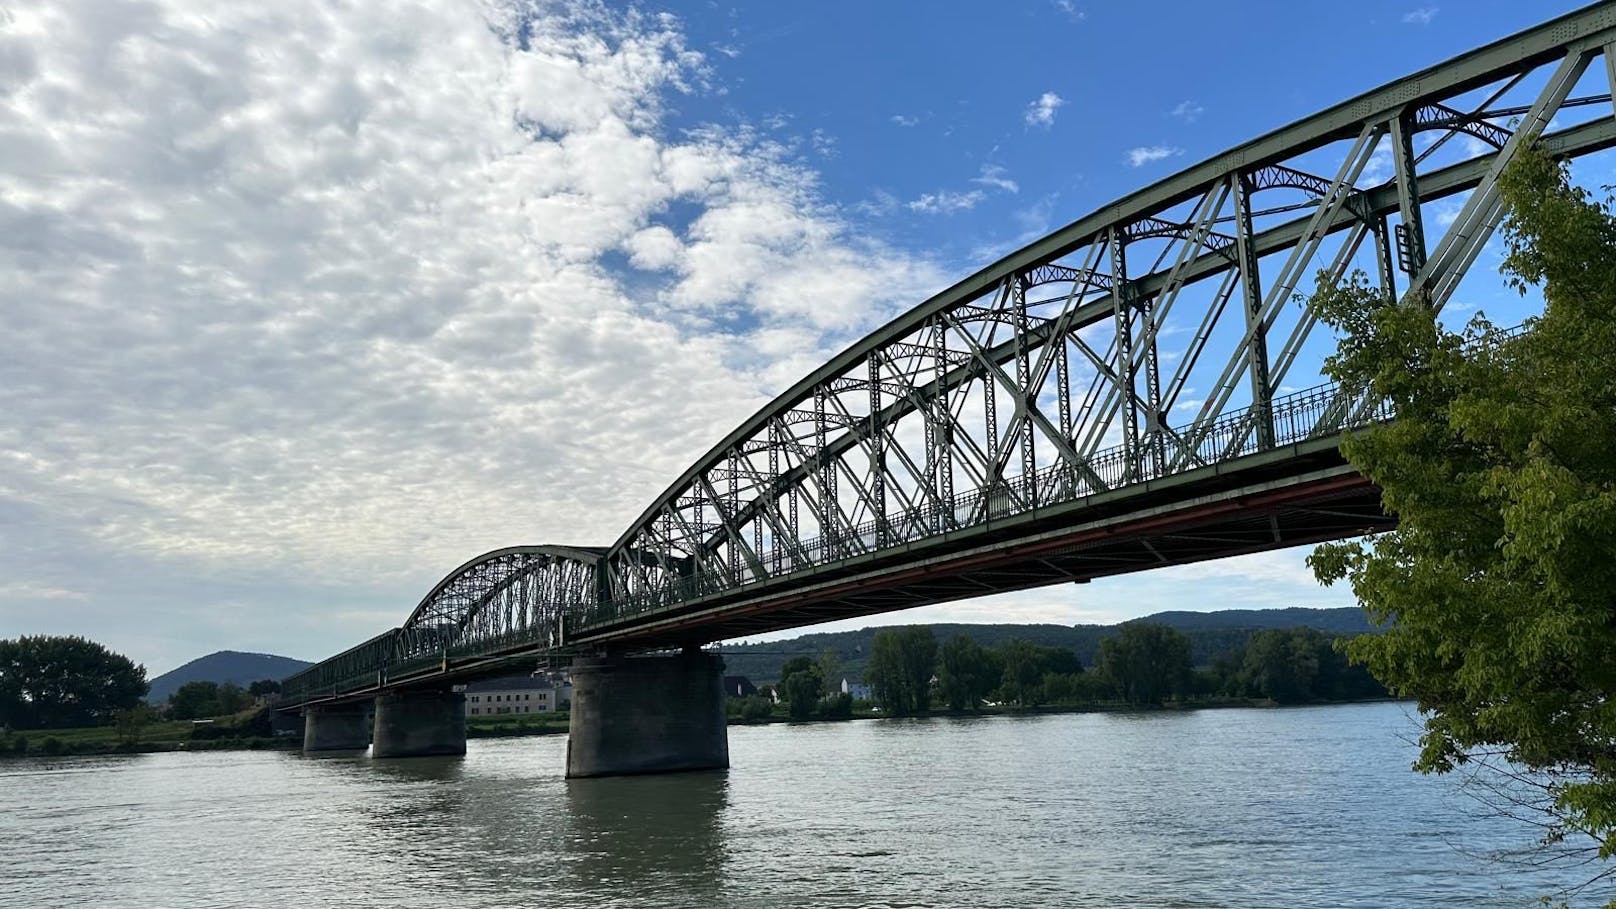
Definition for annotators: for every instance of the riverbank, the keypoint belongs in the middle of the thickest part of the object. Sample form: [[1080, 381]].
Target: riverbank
[[244, 733]]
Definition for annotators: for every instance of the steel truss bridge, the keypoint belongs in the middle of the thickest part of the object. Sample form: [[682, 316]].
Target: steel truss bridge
[[1111, 398]]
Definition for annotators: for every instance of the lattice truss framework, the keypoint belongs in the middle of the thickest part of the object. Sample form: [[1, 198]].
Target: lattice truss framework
[[519, 595], [1163, 333]]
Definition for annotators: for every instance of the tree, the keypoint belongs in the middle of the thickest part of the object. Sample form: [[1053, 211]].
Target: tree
[[194, 700], [830, 669], [1496, 587], [132, 721], [1147, 663], [902, 661], [264, 688], [802, 685], [1283, 663], [966, 673], [232, 699], [1025, 666], [57, 682]]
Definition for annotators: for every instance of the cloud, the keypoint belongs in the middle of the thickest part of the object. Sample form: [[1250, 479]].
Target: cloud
[[1420, 16], [947, 202], [905, 121], [305, 306], [1149, 154], [994, 176], [1069, 9], [1188, 111], [1042, 111]]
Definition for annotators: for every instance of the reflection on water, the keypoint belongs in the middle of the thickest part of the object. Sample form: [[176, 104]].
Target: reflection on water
[[648, 834], [1228, 808]]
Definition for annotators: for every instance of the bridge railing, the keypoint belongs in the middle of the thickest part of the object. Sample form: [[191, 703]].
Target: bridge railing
[[355, 668], [1311, 413]]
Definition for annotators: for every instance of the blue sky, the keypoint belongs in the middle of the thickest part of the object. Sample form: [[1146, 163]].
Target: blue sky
[[308, 305]]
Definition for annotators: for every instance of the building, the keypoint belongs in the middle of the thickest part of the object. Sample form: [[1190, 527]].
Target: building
[[738, 686], [538, 693], [859, 690]]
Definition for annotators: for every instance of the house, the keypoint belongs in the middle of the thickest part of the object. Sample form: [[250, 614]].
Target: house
[[859, 690], [537, 693], [738, 686]]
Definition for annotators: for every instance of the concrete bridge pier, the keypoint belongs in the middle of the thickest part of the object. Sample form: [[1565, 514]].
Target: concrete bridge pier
[[655, 714], [336, 727], [419, 723]]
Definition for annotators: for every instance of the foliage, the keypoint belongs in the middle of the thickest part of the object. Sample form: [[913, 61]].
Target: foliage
[[830, 669], [55, 682], [264, 687], [1210, 634], [196, 700], [1025, 665], [750, 709], [902, 661], [1296, 666], [1147, 663], [838, 706], [802, 686], [132, 721], [1497, 585], [967, 673]]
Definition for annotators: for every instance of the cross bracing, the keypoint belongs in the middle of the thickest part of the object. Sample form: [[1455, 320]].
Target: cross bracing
[[1164, 336]]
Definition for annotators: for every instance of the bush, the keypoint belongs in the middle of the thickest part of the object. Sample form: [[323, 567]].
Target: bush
[[754, 709], [51, 745], [837, 707]]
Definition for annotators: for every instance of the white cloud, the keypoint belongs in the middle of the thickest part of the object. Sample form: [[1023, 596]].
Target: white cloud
[[823, 143], [905, 121], [1188, 111], [305, 306], [1042, 111], [1149, 154], [947, 202], [1069, 10], [997, 177], [1421, 16]]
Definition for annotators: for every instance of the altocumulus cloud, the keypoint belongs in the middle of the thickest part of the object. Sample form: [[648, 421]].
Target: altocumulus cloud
[[301, 298]]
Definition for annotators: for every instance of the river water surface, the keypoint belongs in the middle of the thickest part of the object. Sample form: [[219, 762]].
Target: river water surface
[[1217, 808]]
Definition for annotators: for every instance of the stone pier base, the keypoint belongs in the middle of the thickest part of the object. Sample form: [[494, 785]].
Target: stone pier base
[[419, 723], [339, 727], [647, 715]]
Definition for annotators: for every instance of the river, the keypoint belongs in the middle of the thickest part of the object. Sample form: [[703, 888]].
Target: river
[[1280, 808]]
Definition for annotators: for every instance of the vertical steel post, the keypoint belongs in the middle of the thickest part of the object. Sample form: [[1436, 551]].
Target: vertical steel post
[[1256, 344], [944, 419], [1411, 233], [1122, 307], [1018, 315], [878, 454], [828, 530]]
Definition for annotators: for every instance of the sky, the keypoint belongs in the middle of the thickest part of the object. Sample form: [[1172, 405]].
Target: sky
[[304, 304]]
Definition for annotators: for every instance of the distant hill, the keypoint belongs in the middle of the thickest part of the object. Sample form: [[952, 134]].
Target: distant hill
[[224, 666], [1342, 620], [1210, 634]]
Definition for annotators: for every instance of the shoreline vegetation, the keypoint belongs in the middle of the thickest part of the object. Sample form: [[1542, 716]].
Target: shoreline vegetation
[[241, 733], [1146, 666]]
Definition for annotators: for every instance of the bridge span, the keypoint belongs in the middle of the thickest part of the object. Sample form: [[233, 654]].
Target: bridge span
[[1113, 397]]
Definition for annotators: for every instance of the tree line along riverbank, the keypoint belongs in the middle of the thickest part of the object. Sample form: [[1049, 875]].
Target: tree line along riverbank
[[908, 673]]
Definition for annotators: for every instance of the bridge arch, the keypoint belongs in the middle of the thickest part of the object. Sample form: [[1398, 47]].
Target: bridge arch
[[523, 594]]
